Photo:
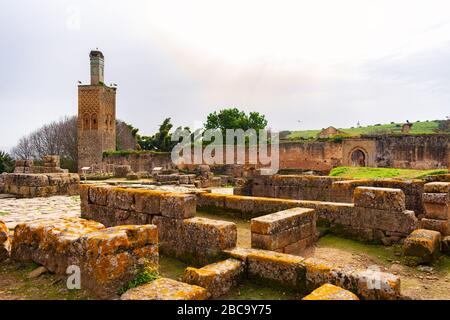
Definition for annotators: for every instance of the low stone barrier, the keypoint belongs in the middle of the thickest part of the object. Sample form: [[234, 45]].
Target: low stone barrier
[[195, 240], [108, 258], [436, 200], [330, 292], [217, 278], [166, 289], [367, 220], [299, 187], [5, 242], [305, 275], [41, 185], [289, 231]]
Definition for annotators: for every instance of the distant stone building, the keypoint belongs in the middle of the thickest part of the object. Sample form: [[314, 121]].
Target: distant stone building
[[329, 132], [96, 116]]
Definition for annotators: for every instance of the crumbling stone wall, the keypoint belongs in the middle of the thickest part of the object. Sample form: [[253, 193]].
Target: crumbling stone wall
[[51, 164], [182, 235], [108, 258], [365, 220], [41, 185], [318, 188]]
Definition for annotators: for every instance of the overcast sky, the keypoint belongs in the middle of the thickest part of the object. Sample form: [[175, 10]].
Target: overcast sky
[[321, 62]]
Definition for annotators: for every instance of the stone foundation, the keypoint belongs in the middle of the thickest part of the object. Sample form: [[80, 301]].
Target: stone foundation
[[304, 275], [289, 231], [108, 258], [192, 239], [41, 185]]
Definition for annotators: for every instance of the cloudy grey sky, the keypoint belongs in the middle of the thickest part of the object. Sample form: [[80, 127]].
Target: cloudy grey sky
[[321, 62]]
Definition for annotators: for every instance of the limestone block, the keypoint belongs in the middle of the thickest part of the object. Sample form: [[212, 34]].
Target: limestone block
[[99, 194], [240, 253], [330, 292], [446, 245], [165, 289], [300, 246], [120, 198], [240, 204], [51, 242], [108, 257], [277, 268], [217, 278], [437, 187], [437, 205], [148, 201], [374, 285], [387, 199], [178, 205], [423, 245], [209, 237], [212, 201], [403, 222], [5, 242], [442, 226], [282, 220]]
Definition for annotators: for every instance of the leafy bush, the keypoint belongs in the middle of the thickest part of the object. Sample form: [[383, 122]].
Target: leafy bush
[[148, 275], [6, 162]]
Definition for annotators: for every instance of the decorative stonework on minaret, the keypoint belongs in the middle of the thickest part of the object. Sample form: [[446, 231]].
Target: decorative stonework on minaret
[[96, 116]]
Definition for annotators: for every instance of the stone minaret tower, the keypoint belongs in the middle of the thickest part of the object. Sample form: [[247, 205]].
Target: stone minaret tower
[[96, 117]]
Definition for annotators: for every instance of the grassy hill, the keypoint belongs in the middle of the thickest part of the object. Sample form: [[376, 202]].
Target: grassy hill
[[419, 127]]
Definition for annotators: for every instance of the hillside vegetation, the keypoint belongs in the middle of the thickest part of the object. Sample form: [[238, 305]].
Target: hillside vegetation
[[419, 127]]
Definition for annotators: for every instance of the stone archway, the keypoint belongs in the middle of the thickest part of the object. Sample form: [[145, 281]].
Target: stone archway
[[358, 158]]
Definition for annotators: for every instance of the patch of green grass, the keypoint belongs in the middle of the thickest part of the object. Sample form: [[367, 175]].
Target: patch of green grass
[[149, 274], [248, 290], [378, 173]]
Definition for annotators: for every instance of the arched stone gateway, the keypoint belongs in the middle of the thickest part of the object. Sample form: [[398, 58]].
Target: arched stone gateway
[[358, 158]]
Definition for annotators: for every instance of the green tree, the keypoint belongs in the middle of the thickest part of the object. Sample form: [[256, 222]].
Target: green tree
[[160, 141], [6, 162], [233, 118]]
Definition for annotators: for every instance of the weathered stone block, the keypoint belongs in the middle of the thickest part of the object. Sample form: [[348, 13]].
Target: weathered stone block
[[300, 246], [441, 226], [330, 292], [372, 284], [423, 245], [108, 257], [387, 199], [165, 289], [99, 195], [148, 201], [439, 211], [217, 278], [120, 198], [5, 242], [278, 268], [213, 201], [437, 187], [179, 206], [282, 220]]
